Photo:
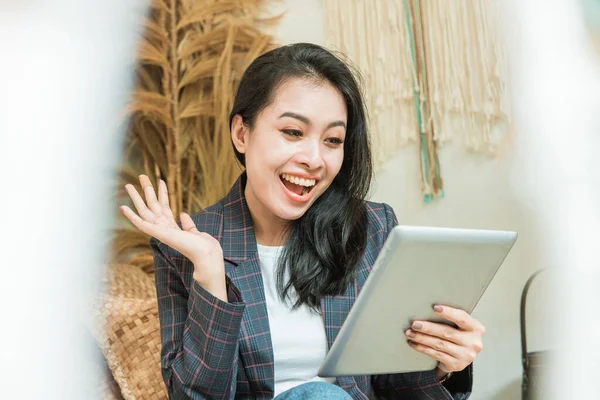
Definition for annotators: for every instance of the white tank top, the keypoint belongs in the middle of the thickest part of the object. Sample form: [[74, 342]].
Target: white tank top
[[298, 336]]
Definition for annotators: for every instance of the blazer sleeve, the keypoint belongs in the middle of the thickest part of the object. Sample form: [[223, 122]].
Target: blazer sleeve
[[420, 385], [199, 332]]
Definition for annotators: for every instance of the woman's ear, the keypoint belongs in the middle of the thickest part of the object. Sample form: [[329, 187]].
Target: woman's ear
[[239, 134]]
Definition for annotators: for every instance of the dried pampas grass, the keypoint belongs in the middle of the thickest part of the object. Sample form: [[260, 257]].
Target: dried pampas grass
[[191, 58]]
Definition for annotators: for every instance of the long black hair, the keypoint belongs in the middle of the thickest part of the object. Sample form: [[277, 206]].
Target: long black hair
[[325, 245]]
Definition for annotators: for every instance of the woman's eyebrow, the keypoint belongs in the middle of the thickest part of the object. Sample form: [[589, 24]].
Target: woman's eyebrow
[[305, 120]]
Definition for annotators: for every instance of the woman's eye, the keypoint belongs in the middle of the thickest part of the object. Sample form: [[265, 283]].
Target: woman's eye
[[335, 141], [292, 132]]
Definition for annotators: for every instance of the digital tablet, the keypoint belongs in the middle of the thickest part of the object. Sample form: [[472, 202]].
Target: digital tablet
[[417, 268]]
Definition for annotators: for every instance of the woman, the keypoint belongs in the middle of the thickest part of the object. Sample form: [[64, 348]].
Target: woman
[[253, 290]]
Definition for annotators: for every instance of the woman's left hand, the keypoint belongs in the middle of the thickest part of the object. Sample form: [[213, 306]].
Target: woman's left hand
[[454, 349]]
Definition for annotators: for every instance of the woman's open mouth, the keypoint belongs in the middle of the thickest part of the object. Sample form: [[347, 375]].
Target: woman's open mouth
[[298, 189]]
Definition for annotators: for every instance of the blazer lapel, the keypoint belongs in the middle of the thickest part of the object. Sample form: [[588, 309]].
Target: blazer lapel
[[242, 265]]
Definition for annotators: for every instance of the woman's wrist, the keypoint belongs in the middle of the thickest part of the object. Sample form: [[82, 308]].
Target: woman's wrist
[[442, 376], [217, 288]]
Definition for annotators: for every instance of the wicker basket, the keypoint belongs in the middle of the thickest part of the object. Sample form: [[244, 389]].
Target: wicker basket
[[128, 332]]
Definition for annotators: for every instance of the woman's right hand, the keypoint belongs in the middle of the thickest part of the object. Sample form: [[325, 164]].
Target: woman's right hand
[[156, 219]]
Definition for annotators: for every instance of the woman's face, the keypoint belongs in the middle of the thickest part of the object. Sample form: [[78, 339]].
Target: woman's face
[[295, 149]]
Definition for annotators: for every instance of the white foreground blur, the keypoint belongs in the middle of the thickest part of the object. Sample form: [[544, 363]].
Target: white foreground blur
[[556, 95], [65, 72]]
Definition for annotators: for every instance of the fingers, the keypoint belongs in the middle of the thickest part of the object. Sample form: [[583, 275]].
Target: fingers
[[460, 345], [138, 222], [163, 194], [440, 331], [139, 204], [150, 195], [447, 362], [187, 223], [461, 318], [152, 210], [435, 343], [163, 199]]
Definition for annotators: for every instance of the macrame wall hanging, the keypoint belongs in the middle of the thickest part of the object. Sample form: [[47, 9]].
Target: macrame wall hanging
[[434, 71]]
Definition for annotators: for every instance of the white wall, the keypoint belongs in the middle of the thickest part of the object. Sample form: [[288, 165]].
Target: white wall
[[479, 193]]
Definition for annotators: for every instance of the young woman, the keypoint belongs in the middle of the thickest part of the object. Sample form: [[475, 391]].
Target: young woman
[[253, 290]]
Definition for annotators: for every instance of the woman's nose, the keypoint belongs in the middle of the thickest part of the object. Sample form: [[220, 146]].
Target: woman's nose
[[310, 154]]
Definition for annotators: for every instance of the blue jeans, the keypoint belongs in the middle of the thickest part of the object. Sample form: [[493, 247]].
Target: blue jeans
[[315, 391]]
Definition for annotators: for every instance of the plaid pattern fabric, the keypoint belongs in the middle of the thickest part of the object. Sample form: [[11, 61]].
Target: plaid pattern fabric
[[217, 350]]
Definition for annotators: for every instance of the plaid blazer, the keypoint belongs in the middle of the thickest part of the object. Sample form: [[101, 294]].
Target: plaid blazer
[[217, 350]]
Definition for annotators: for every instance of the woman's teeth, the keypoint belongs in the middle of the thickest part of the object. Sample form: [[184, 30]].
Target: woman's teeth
[[299, 181]]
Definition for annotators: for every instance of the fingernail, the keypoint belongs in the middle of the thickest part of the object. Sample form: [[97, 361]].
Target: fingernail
[[438, 308], [410, 334], [417, 325]]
